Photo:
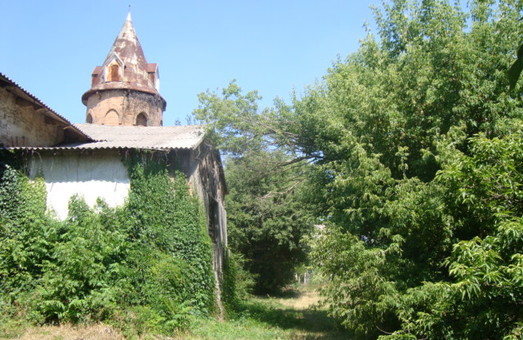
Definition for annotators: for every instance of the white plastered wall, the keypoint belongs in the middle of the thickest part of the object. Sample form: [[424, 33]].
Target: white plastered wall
[[91, 175]]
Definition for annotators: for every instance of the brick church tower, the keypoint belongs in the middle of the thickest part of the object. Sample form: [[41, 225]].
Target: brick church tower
[[125, 89]]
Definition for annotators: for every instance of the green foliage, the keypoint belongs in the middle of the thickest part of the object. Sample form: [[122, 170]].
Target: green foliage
[[416, 140], [483, 298], [237, 282], [149, 261], [357, 289], [266, 216], [415, 152], [415, 145], [80, 280], [235, 125], [22, 224], [161, 215], [515, 70], [267, 220]]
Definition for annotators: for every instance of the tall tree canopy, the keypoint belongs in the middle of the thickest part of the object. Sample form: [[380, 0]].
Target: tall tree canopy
[[266, 216], [412, 174], [415, 146]]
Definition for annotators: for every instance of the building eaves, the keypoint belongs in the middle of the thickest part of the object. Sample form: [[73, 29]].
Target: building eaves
[[161, 138], [96, 146]]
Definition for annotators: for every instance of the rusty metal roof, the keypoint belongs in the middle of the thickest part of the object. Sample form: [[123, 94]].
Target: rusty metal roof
[[127, 50], [17, 90], [152, 67], [134, 137]]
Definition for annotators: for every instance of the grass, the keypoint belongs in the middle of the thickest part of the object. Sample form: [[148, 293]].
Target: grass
[[292, 316], [62, 332]]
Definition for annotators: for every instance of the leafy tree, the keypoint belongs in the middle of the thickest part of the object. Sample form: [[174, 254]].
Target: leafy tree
[[267, 220], [483, 297], [266, 217], [386, 128], [234, 121]]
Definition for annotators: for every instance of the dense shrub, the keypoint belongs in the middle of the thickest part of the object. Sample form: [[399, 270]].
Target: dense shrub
[[237, 281], [151, 258], [420, 174]]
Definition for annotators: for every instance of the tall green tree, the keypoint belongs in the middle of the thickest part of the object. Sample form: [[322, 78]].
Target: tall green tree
[[267, 219], [407, 140], [483, 295], [380, 128], [266, 216]]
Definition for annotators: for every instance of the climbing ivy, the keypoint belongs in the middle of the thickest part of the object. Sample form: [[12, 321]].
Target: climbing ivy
[[150, 260], [163, 216]]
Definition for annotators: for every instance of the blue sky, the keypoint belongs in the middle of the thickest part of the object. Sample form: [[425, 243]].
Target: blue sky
[[51, 47]]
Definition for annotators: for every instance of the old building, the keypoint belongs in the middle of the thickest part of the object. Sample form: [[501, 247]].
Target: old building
[[26, 121], [124, 114], [96, 170]]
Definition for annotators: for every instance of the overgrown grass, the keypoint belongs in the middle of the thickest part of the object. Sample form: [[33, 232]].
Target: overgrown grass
[[288, 317], [11, 328]]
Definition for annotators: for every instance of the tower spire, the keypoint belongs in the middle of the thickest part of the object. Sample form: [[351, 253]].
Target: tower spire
[[125, 68]]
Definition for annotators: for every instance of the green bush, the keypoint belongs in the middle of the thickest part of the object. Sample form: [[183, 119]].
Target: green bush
[[237, 282], [150, 260]]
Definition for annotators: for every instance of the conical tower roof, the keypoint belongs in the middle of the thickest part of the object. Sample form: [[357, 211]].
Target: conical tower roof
[[134, 73]]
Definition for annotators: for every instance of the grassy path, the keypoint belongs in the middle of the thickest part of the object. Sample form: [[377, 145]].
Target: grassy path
[[295, 316]]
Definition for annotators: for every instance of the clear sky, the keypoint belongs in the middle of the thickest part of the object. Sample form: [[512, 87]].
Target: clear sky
[[51, 47]]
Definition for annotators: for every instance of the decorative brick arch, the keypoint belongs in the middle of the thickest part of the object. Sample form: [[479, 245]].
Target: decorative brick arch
[[141, 119], [112, 118]]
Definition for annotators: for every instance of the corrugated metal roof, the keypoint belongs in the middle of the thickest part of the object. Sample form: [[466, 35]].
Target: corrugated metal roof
[[141, 137], [133, 137]]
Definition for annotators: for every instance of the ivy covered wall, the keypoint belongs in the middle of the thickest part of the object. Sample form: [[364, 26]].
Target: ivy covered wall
[[150, 259]]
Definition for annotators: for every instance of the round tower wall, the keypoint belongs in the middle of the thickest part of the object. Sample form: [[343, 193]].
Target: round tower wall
[[124, 107]]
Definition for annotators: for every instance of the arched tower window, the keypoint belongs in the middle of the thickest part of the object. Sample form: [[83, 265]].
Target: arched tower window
[[111, 118], [141, 119], [114, 73], [89, 119]]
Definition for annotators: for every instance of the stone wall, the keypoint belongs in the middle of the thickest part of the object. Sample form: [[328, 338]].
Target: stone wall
[[205, 171], [122, 107], [22, 122]]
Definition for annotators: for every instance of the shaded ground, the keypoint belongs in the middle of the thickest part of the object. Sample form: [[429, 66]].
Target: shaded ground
[[304, 298], [300, 312], [295, 316]]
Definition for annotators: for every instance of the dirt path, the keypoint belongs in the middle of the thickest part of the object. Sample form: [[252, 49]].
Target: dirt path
[[305, 299], [67, 332], [311, 321]]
